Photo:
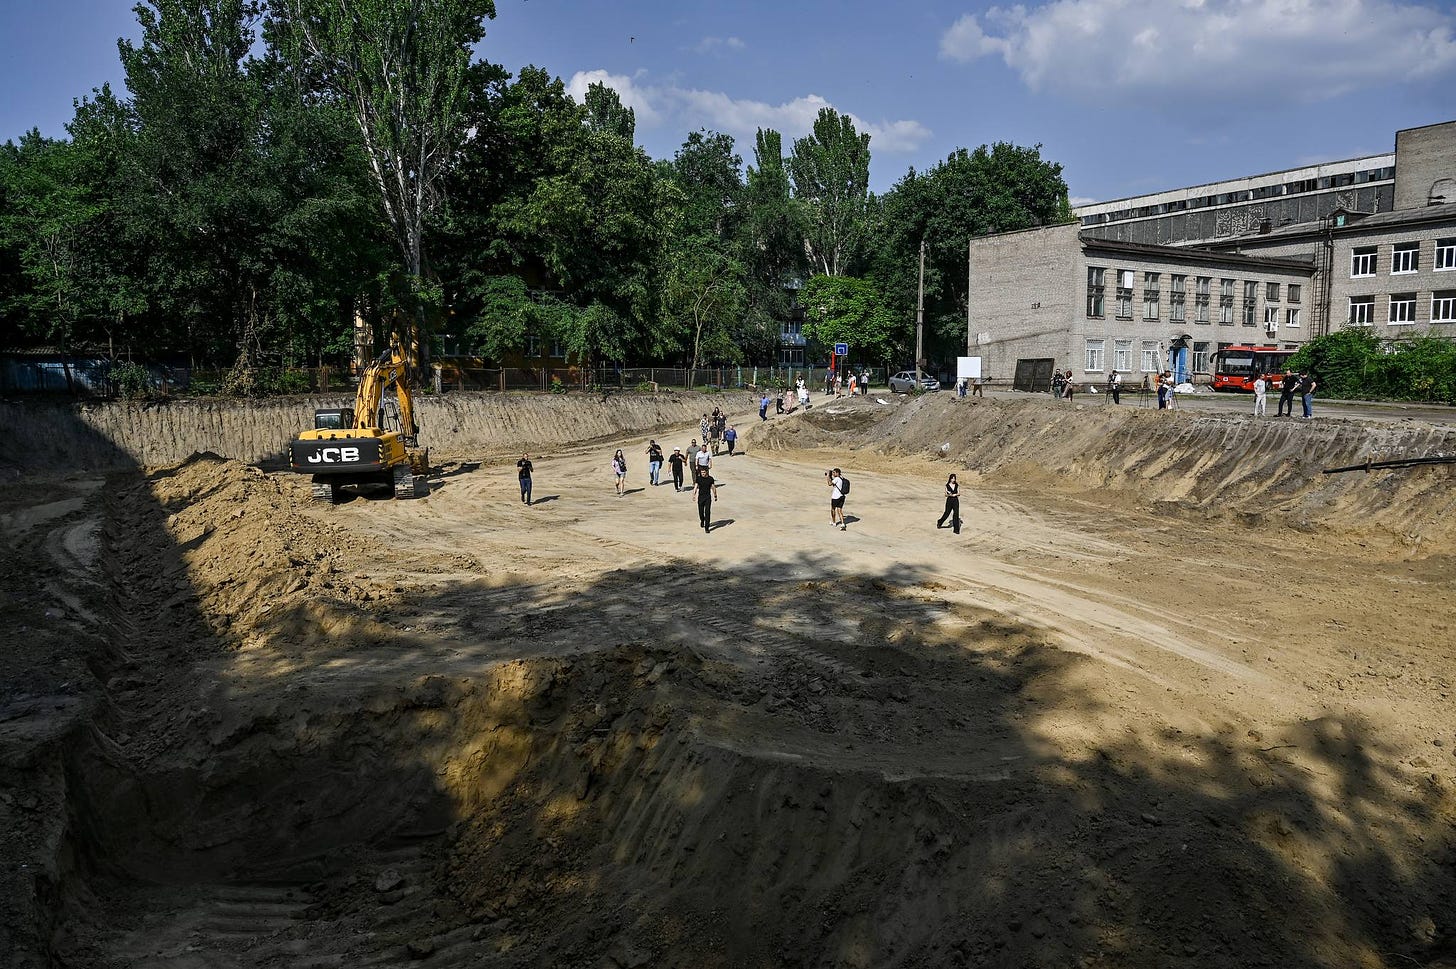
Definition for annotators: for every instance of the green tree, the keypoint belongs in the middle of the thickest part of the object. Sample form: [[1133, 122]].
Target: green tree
[[605, 112], [401, 68], [998, 188], [852, 310], [830, 170], [703, 294]]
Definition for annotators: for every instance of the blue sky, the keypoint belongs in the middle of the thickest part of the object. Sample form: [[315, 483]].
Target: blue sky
[[1129, 95]]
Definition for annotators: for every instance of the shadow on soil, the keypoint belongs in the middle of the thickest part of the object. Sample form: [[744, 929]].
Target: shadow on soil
[[682, 765]]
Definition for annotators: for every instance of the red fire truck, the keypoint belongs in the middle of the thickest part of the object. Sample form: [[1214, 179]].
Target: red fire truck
[[1236, 366]]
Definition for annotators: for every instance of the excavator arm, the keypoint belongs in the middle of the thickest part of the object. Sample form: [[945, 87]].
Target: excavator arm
[[392, 369]]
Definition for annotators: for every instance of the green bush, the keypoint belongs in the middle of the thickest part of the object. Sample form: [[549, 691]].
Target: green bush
[[645, 386], [557, 387], [132, 381], [1354, 364]]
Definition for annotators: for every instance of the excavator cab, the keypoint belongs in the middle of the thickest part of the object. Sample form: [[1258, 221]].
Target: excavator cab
[[333, 419]]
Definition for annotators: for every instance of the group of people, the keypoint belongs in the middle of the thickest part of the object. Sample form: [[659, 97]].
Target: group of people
[[971, 383], [715, 429], [1301, 385], [1062, 386], [698, 461]]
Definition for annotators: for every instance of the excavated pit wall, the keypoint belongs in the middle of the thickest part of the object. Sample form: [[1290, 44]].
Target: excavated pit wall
[[97, 437]]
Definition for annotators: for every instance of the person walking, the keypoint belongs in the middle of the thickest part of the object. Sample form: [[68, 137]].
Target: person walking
[[1306, 394], [706, 489], [654, 463], [730, 437], [1114, 387], [704, 428], [1286, 394], [1261, 396], [864, 384], [837, 491], [619, 468], [853, 384], [676, 461], [976, 388], [763, 406], [780, 403], [703, 459], [523, 473], [952, 505], [803, 396]]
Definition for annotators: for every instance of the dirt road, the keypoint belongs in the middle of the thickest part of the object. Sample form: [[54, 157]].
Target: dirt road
[[1099, 727]]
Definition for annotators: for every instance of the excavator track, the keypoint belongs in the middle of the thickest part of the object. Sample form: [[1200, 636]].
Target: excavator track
[[407, 484], [323, 489]]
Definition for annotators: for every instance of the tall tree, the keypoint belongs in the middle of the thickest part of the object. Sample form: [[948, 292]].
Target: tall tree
[[402, 68], [606, 112], [995, 188], [852, 310], [831, 177]]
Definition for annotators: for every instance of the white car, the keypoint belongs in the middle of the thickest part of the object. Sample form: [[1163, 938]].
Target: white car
[[904, 382]]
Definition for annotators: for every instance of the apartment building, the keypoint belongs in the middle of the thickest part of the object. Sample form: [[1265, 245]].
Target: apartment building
[[1085, 297]]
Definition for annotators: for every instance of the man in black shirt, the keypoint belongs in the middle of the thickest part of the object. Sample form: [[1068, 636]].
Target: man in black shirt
[[707, 490], [677, 461], [1286, 394], [523, 471], [654, 462]]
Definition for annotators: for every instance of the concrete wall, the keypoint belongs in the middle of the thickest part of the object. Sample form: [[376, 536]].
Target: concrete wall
[[1023, 297], [1424, 157]]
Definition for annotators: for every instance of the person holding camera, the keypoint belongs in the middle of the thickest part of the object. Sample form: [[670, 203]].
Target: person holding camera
[[837, 490]]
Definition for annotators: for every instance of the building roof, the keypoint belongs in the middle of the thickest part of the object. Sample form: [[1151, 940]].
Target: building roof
[[1357, 223], [1183, 254]]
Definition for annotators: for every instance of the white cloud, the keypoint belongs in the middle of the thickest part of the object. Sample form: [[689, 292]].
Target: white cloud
[[638, 98], [1079, 200], [690, 109], [710, 45], [1233, 50]]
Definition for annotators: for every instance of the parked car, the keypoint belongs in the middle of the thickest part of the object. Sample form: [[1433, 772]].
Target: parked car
[[904, 382]]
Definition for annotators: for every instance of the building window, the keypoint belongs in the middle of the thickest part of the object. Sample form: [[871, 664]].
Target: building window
[[1094, 354], [1443, 306], [1251, 302], [1200, 297], [533, 345], [1271, 318], [1362, 261], [1271, 292], [1122, 355], [1095, 290], [1405, 257], [558, 350], [1202, 358], [1445, 254], [1291, 317], [1226, 302], [1294, 292], [1362, 310], [1402, 309], [1175, 299], [1150, 357], [1124, 294], [1151, 295]]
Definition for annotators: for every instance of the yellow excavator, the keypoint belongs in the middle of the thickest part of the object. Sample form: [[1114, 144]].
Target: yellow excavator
[[375, 443]]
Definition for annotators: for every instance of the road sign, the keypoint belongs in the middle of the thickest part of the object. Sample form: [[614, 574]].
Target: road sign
[[841, 349]]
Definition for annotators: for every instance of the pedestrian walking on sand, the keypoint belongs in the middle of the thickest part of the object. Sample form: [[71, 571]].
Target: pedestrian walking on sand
[[654, 463], [1306, 394], [853, 384], [803, 397], [837, 490], [704, 426], [1286, 394], [619, 468], [707, 490], [730, 436], [676, 461], [952, 505], [780, 404], [763, 407], [1261, 396], [523, 472], [703, 459]]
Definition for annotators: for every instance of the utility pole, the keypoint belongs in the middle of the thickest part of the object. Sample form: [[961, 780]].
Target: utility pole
[[920, 320]]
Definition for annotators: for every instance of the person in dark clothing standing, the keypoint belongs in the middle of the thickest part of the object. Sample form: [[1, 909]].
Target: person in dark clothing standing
[[707, 490], [1286, 394], [523, 472], [730, 437], [654, 463], [676, 460], [952, 505]]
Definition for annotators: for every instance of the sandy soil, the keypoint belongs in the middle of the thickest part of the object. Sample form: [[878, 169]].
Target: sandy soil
[[1171, 698]]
